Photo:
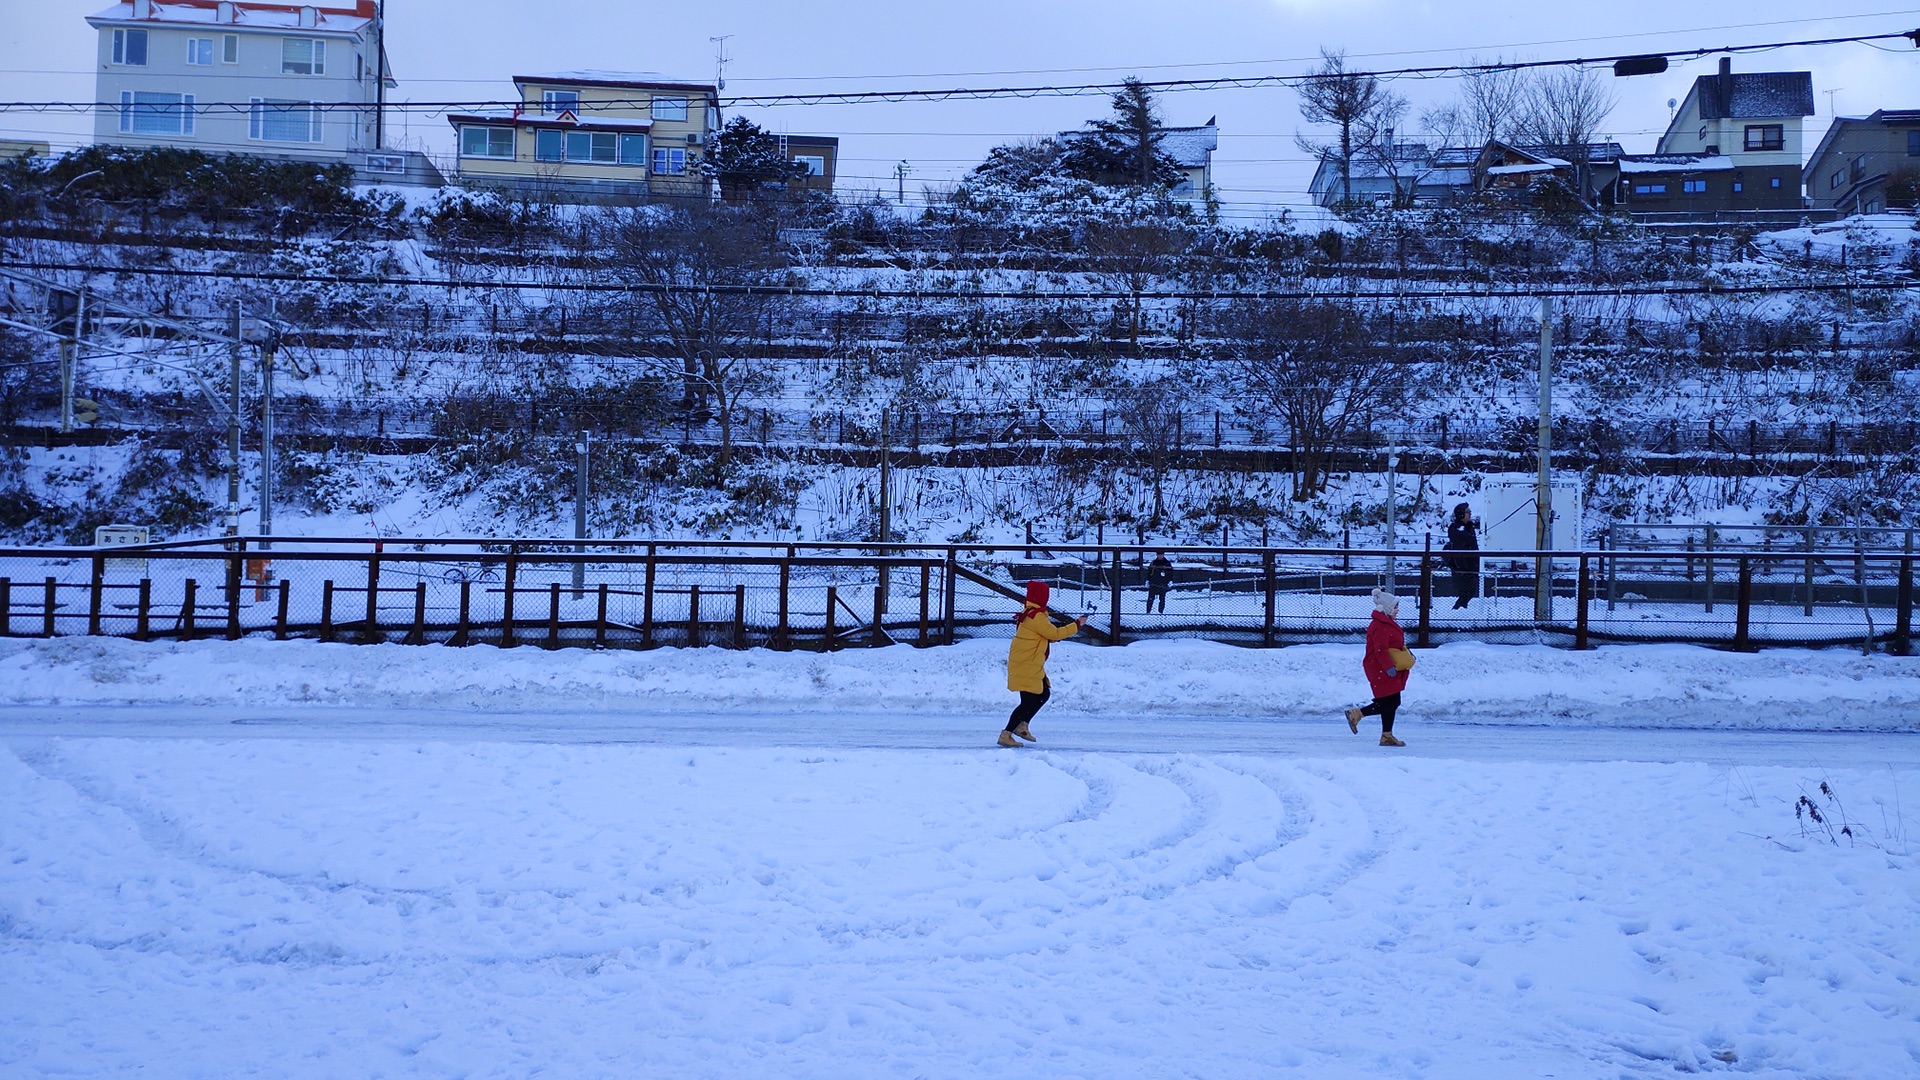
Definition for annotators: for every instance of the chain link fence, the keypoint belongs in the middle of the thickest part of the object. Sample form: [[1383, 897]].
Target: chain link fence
[[621, 594]]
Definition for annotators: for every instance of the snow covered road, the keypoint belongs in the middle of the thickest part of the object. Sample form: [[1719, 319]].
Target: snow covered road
[[553, 871]]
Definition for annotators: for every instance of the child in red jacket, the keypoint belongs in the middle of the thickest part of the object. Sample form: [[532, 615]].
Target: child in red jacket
[[1384, 675]]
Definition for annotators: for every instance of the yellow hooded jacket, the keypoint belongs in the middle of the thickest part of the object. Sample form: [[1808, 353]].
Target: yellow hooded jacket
[[1027, 656]]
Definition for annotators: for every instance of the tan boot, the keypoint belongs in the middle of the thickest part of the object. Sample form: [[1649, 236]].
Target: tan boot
[[1387, 739], [1020, 729], [1007, 739], [1353, 719]]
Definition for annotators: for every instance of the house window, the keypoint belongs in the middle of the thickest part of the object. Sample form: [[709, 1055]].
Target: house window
[[1739, 186], [547, 145], [669, 162], [1693, 187], [130, 47], [1766, 136], [633, 150], [144, 112], [669, 108], [303, 56], [283, 120], [554, 102], [1839, 177], [816, 164], [1774, 183], [200, 51], [1859, 169], [229, 48], [594, 146], [487, 142], [1913, 144], [1649, 189]]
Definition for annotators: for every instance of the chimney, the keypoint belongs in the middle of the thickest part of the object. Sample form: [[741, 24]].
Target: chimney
[[226, 11], [143, 9], [307, 16], [1726, 85]]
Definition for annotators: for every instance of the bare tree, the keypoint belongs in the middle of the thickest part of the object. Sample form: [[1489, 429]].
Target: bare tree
[[1149, 409], [690, 263], [1562, 111], [1316, 368], [1350, 101], [1133, 257]]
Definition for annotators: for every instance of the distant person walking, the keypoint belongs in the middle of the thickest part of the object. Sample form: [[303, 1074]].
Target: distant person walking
[[1159, 580], [1033, 635], [1386, 663], [1463, 535]]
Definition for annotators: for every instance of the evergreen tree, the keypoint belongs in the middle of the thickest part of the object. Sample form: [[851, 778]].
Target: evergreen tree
[[1123, 149], [745, 157]]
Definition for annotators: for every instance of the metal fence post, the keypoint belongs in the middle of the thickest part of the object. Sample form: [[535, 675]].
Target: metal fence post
[[143, 612], [1113, 625], [952, 585], [1742, 625], [280, 614], [693, 616], [879, 613], [326, 610], [833, 600], [52, 602], [506, 596], [187, 612], [1583, 586], [553, 615], [646, 603], [600, 620], [463, 629], [926, 584], [1903, 602], [1266, 586], [739, 615], [782, 628], [235, 560], [6, 607], [94, 602], [418, 635]]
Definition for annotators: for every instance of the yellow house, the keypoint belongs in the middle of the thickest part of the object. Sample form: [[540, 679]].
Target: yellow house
[[592, 136]]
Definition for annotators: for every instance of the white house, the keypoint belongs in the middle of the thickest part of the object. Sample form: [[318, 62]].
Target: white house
[[234, 76]]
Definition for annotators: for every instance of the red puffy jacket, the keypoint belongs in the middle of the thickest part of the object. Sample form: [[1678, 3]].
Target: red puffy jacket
[[1383, 634]]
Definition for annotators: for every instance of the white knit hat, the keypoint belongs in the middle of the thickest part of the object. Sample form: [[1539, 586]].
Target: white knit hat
[[1385, 602]]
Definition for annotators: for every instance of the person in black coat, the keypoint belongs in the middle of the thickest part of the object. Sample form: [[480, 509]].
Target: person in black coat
[[1463, 535], [1159, 580]]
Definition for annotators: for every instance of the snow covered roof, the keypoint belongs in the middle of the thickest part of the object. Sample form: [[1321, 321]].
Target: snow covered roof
[[640, 79], [243, 15], [1538, 167], [1755, 94], [589, 121], [1674, 163], [1448, 176], [1190, 147]]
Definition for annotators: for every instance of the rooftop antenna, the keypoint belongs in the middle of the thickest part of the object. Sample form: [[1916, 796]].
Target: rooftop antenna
[[1830, 94], [720, 59], [1671, 105]]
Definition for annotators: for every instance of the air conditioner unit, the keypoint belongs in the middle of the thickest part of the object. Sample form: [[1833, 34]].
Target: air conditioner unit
[[694, 138]]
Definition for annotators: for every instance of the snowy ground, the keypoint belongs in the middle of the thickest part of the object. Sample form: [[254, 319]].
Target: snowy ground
[[299, 859]]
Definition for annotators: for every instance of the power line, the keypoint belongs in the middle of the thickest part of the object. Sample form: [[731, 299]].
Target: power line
[[817, 292], [1031, 91]]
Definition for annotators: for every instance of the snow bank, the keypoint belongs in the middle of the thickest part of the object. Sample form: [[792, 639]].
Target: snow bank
[[1641, 686]]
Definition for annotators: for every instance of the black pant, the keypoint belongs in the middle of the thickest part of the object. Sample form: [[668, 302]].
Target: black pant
[[1466, 586], [1384, 708], [1157, 594], [1029, 704]]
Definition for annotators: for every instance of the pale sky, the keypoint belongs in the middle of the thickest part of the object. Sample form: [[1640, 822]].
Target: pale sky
[[469, 49]]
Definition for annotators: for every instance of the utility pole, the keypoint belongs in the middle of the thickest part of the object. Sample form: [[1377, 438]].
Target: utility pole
[[900, 175], [266, 434], [233, 430], [719, 73], [580, 513], [69, 350], [886, 512], [1543, 487]]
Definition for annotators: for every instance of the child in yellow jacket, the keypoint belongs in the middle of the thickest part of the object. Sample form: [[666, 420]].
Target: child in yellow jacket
[[1027, 660]]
